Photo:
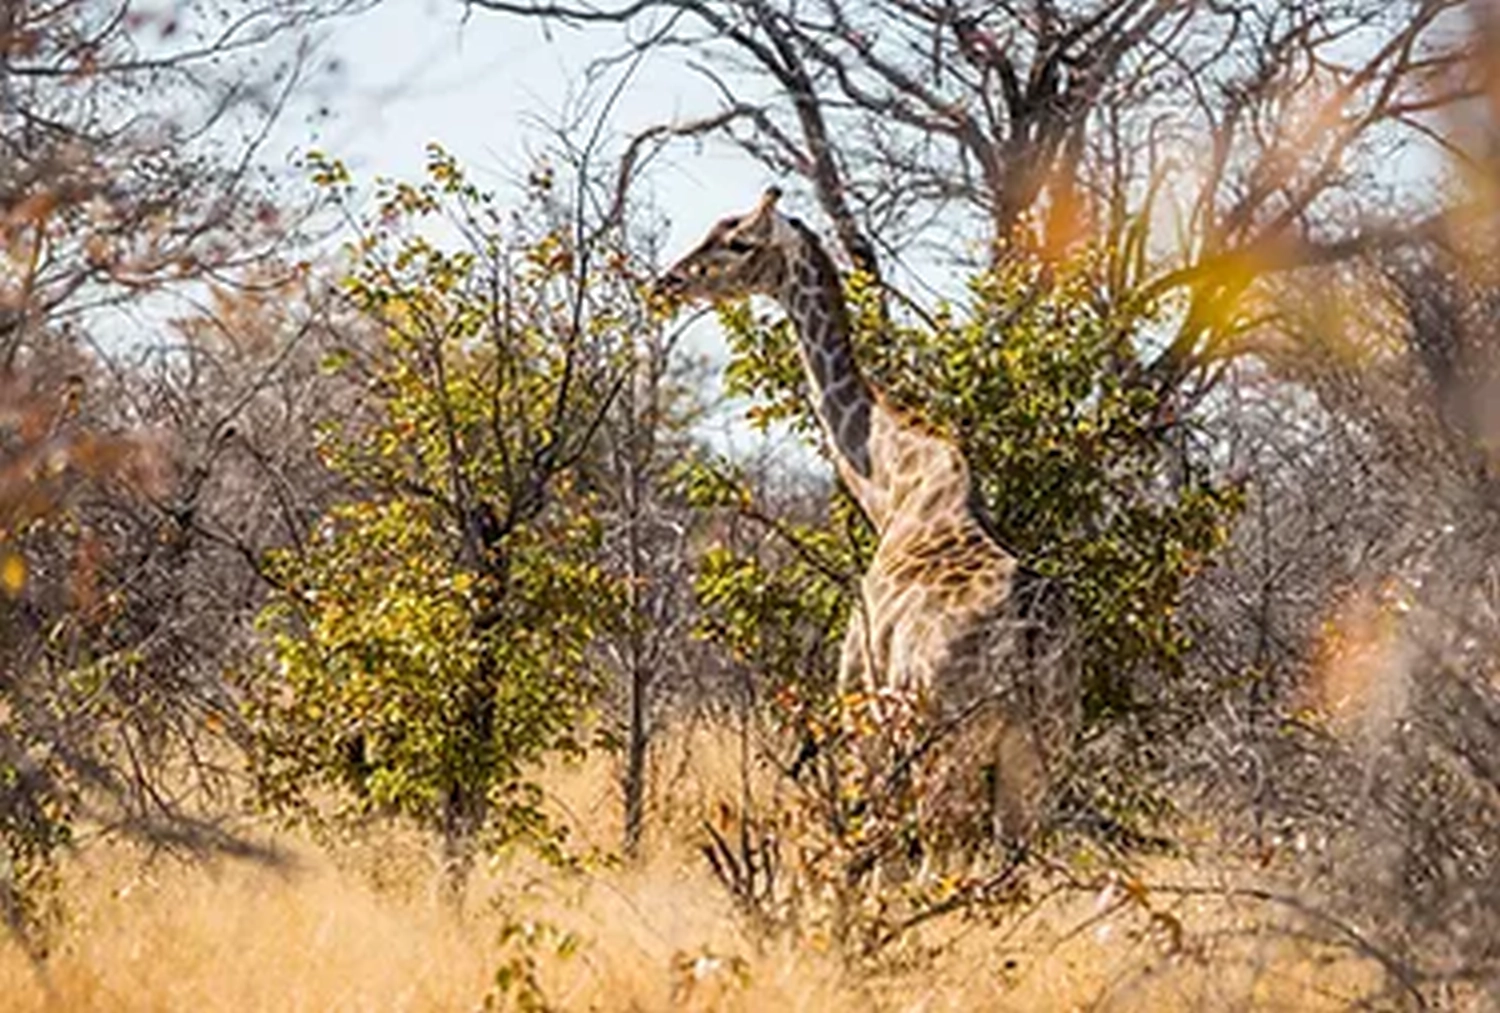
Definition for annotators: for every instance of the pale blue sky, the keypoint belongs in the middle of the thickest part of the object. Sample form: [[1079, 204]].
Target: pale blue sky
[[487, 88], [415, 71]]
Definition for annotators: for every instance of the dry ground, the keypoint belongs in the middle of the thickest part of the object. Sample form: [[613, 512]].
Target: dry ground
[[360, 929]]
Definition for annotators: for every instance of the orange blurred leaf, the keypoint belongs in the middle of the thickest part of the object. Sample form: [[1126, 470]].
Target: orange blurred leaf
[[12, 573]]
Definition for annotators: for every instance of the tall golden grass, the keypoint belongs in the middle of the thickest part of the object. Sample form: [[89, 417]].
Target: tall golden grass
[[360, 927]]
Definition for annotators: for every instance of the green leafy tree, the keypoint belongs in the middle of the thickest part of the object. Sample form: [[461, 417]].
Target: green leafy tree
[[432, 640], [1073, 456]]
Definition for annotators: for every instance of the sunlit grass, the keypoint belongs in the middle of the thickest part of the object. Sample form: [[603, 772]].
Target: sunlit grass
[[362, 928]]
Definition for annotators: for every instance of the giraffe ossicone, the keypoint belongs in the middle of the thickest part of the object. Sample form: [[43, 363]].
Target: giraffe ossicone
[[942, 606]]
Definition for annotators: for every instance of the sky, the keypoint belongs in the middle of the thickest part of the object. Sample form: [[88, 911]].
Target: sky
[[488, 87]]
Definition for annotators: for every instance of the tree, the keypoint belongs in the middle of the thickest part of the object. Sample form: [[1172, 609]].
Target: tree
[[45, 763], [131, 137], [129, 187], [650, 541], [1357, 602], [1252, 136], [432, 640]]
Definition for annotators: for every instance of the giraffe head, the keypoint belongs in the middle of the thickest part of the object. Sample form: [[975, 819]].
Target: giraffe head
[[741, 255]]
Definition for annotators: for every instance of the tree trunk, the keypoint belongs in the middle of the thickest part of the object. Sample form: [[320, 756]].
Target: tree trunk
[[462, 817], [635, 763]]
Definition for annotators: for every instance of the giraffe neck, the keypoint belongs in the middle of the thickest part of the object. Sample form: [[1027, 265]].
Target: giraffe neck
[[899, 475], [812, 295]]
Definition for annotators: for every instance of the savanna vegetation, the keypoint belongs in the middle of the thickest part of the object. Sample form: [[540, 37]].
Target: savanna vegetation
[[374, 606]]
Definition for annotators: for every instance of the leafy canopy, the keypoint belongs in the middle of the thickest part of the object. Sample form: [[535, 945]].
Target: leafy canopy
[[431, 640]]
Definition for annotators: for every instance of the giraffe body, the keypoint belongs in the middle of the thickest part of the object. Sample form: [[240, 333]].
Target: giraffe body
[[939, 615]]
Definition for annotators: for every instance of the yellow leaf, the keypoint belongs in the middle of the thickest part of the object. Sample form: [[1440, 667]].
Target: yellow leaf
[[12, 573]]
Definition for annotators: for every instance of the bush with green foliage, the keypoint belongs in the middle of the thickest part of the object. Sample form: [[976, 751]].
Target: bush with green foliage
[[430, 643]]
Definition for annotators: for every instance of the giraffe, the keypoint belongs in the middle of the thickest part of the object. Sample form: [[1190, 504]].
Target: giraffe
[[942, 601]]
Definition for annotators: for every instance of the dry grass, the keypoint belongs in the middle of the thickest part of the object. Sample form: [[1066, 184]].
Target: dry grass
[[361, 931]]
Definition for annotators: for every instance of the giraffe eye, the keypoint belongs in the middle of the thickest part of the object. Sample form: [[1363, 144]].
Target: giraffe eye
[[738, 245]]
